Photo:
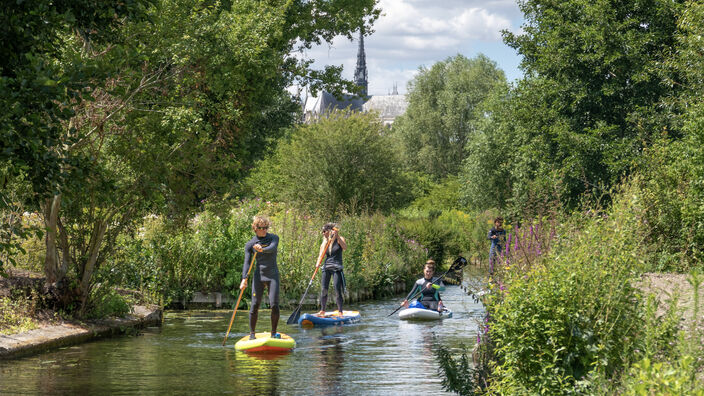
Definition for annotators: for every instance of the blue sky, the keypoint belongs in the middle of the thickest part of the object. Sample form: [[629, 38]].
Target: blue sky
[[415, 33]]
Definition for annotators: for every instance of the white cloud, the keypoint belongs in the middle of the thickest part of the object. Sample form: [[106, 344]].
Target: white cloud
[[414, 33]]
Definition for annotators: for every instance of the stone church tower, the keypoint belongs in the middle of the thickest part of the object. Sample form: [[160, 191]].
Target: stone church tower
[[387, 106], [360, 73]]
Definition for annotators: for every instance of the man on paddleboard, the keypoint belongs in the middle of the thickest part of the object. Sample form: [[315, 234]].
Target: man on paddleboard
[[429, 289], [266, 273]]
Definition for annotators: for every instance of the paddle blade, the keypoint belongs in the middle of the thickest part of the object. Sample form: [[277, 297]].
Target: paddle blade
[[293, 319], [459, 263]]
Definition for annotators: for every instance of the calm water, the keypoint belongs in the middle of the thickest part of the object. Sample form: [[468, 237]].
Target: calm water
[[380, 355]]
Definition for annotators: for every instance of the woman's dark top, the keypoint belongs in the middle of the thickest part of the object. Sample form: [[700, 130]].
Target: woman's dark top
[[333, 257]]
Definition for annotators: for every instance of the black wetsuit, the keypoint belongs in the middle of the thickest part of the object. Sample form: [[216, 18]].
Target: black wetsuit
[[266, 273], [332, 268]]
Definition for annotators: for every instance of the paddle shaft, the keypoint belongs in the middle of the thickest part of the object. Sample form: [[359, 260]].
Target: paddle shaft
[[317, 267], [297, 311], [251, 264]]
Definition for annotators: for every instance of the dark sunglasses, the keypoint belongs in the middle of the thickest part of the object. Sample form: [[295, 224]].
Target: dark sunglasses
[[262, 228]]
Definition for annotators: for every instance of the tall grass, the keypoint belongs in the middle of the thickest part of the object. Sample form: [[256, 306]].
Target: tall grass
[[208, 254]]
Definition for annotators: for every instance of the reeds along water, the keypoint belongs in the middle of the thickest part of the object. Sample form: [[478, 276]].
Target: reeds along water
[[376, 257], [526, 243]]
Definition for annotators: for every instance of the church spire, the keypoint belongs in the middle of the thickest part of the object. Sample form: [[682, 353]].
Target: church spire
[[360, 73]]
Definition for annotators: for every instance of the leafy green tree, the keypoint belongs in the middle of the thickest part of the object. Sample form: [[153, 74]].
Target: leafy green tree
[[601, 77], [672, 173], [514, 161], [597, 91], [443, 110], [345, 161], [37, 93], [186, 102]]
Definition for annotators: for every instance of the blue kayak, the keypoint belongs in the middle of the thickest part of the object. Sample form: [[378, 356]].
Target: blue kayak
[[329, 319]]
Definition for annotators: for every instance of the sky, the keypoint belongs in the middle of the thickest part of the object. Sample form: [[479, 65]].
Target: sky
[[418, 33]]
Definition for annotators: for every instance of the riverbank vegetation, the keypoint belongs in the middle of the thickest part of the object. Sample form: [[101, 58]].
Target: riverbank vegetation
[[603, 138], [166, 125]]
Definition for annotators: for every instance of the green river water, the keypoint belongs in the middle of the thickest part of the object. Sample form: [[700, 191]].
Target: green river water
[[379, 356]]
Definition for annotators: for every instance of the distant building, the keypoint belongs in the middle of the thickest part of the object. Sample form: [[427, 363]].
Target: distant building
[[388, 106]]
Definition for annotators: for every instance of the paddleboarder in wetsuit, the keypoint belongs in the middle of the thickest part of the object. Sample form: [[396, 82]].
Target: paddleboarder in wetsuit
[[266, 273], [429, 289], [332, 266]]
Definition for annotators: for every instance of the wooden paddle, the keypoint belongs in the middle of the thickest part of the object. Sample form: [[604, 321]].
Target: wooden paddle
[[458, 264], [297, 312], [251, 264]]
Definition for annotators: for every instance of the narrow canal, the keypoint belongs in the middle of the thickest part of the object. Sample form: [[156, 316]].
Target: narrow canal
[[380, 355]]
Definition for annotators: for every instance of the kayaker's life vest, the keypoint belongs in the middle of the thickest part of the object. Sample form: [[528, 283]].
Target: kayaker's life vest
[[431, 293]]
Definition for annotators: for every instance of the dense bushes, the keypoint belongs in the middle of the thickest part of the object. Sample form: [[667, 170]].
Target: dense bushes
[[208, 256], [573, 313], [567, 317], [16, 315], [345, 161]]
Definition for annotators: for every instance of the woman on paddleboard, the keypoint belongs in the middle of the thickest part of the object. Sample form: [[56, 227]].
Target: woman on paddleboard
[[332, 266], [428, 289], [266, 273]]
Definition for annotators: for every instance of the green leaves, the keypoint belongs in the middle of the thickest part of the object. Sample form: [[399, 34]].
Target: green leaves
[[344, 162], [592, 100], [444, 109]]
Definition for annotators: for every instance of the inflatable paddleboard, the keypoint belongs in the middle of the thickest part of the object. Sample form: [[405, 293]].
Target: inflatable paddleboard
[[264, 343], [424, 314], [330, 318]]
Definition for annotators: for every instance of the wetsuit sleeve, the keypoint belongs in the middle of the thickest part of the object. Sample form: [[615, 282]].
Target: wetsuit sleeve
[[488, 236], [273, 245], [247, 259]]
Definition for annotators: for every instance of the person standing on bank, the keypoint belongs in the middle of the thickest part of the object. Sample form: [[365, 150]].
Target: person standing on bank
[[332, 266], [266, 273], [497, 236]]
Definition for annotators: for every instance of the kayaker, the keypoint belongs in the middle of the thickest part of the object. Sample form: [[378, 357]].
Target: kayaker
[[332, 266], [266, 273], [429, 289]]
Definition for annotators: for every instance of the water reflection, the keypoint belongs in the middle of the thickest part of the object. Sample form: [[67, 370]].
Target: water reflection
[[330, 358], [255, 375]]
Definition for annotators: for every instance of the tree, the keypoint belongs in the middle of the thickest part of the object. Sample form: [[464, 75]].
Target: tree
[[671, 176], [345, 161], [444, 106], [37, 94], [181, 107], [597, 69]]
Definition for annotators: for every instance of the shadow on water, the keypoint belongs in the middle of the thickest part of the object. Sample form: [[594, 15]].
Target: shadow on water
[[379, 355]]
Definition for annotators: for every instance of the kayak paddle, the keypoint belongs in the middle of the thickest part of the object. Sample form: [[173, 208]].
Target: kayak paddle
[[458, 264]]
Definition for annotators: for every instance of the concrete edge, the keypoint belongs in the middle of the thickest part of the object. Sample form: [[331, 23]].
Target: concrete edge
[[51, 337]]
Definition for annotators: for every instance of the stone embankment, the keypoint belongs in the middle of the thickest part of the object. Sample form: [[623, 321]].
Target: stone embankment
[[55, 336]]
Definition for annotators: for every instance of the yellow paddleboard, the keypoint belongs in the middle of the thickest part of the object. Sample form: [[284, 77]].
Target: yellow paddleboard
[[264, 343]]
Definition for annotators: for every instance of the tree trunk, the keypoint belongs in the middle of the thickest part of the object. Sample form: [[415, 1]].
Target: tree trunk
[[96, 239], [51, 208]]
